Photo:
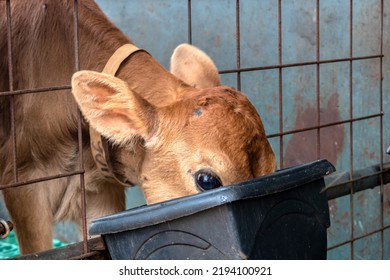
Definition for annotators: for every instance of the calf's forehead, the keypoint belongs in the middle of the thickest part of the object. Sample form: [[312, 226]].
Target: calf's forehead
[[224, 113], [221, 120]]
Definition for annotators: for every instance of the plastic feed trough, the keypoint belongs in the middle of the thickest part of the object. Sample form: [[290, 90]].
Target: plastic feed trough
[[283, 215]]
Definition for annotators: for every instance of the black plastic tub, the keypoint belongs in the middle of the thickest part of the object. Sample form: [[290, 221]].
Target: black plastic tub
[[279, 216]]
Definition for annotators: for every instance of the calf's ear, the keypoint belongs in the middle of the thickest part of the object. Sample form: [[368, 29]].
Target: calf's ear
[[111, 108], [194, 67]]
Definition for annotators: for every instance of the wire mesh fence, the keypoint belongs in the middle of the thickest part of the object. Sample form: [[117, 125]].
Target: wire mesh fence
[[313, 69]]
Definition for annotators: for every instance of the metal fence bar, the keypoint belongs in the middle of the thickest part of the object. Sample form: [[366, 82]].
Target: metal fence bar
[[352, 236], [358, 238], [280, 62], [326, 125], [189, 16], [238, 45], [41, 179], [11, 88], [340, 184], [318, 82], [298, 64], [80, 135], [35, 90], [381, 177]]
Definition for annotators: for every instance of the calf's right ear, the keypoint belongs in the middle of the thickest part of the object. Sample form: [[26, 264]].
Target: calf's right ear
[[111, 108]]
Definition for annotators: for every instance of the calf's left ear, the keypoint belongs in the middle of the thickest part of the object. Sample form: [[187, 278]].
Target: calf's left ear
[[194, 67], [114, 110]]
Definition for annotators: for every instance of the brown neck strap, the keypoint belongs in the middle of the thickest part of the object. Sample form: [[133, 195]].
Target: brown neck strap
[[99, 145]]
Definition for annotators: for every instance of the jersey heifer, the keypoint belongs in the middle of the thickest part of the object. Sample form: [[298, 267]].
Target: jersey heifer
[[172, 134]]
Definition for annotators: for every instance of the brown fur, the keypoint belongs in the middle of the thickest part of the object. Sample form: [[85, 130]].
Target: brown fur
[[162, 129]]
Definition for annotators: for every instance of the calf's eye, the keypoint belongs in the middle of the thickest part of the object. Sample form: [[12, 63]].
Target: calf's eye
[[207, 180]]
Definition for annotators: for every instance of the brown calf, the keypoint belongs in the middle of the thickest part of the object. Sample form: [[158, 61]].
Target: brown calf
[[169, 134]]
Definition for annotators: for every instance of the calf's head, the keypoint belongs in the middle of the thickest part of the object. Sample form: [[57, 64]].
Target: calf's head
[[207, 138]]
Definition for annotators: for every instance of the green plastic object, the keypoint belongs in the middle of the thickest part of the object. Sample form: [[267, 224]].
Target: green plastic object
[[9, 246]]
